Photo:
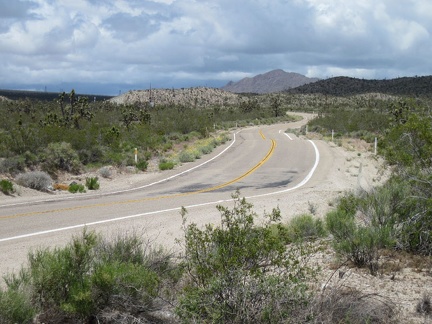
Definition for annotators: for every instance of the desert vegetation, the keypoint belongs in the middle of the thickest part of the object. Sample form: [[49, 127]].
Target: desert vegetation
[[216, 279], [72, 133]]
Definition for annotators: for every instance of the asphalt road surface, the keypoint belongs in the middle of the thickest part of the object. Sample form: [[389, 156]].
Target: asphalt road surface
[[258, 161]]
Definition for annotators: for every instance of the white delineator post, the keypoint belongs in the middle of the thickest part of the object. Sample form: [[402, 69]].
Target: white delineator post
[[375, 146], [136, 155]]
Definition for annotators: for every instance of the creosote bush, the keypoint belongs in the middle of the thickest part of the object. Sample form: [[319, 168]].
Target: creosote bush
[[61, 156], [240, 272]]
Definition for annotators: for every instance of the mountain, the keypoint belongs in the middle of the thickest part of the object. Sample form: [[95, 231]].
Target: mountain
[[346, 86], [273, 81]]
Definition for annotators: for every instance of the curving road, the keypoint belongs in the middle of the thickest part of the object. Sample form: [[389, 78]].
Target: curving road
[[258, 161]]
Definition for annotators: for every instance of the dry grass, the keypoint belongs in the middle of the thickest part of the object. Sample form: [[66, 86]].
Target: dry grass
[[61, 186], [348, 305], [395, 261]]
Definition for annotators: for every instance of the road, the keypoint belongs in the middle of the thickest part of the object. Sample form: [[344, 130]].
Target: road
[[258, 161]]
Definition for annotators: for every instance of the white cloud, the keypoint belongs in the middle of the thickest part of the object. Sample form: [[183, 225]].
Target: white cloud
[[179, 42]]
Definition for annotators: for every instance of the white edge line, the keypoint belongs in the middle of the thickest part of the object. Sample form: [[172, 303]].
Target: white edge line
[[302, 183], [288, 136], [60, 229], [128, 190]]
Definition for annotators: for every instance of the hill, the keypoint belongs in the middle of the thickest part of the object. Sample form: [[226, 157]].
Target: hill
[[194, 97], [273, 81], [346, 86]]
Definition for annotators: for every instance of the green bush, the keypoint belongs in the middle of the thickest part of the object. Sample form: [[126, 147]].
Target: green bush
[[6, 187], [37, 180], [242, 273], [56, 274], [166, 165], [142, 165], [16, 307], [92, 183], [305, 227], [359, 244], [186, 156], [206, 149], [87, 156], [91, 278], [60, 156], [76, 187]]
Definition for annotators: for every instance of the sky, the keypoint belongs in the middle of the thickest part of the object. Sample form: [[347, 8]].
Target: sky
[[112, 46]]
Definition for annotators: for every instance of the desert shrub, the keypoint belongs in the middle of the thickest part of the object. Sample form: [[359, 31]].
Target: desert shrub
[[60, 156], [394, 215], [16, 306], [222, 139], [166, 165], [357, 242], [206, 149], [105, 172], [167, 146], [89, 278], [56, 274], [133, 249], [37, 180], [12, 165], [93, 155], [76, 187], [186, 156], [304, 227], [6, 187], [384, 205], [113, 158], [409, 144], [92, 183], [242, 273], [142, 165]]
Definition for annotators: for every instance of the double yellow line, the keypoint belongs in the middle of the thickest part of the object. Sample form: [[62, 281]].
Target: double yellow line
[[250, 171]]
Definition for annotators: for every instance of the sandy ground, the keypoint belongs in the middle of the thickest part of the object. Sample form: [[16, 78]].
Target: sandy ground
[[351, 166]]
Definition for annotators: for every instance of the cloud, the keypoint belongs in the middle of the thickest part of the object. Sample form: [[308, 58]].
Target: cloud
[[178, 43]]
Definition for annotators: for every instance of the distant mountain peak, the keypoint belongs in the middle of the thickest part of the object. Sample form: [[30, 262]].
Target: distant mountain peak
[[273, 81]]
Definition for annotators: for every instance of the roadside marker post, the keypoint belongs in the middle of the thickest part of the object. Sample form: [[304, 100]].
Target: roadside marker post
[[375, 145], [136, 155]]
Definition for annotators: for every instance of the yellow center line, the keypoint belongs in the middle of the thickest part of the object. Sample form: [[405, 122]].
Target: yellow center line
[[250, 171]]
